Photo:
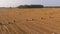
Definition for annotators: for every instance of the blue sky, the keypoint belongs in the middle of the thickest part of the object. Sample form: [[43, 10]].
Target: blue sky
[[14, 3], [51, 2]]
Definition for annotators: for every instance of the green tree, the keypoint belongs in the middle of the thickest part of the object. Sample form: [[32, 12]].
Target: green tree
[[30, 6]]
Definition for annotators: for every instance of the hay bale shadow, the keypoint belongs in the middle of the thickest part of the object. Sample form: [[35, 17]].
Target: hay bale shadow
[[30, 19]]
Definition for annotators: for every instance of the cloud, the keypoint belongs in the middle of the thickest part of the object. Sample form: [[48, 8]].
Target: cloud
[[14, 3], [9, 3]]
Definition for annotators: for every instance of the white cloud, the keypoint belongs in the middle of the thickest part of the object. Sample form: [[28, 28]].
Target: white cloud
[[12, 3]]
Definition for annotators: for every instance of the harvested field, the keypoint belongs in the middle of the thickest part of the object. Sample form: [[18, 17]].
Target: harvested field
[[30, 21]]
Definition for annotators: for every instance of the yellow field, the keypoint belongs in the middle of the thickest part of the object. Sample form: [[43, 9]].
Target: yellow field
[[30, 21]]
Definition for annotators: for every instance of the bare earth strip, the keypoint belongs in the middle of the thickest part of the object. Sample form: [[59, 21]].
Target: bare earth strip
[[30, 21]]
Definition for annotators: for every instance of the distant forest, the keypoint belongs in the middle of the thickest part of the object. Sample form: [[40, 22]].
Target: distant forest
[[36, 6], [30, 6]]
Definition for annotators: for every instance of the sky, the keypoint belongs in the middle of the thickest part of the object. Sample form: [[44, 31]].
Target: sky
[[51, 2], [14, 3]]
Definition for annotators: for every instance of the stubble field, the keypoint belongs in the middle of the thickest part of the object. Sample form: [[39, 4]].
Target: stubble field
[[30, 21]]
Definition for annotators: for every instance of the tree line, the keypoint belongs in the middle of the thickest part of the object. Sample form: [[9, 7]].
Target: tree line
[[30, 6]]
